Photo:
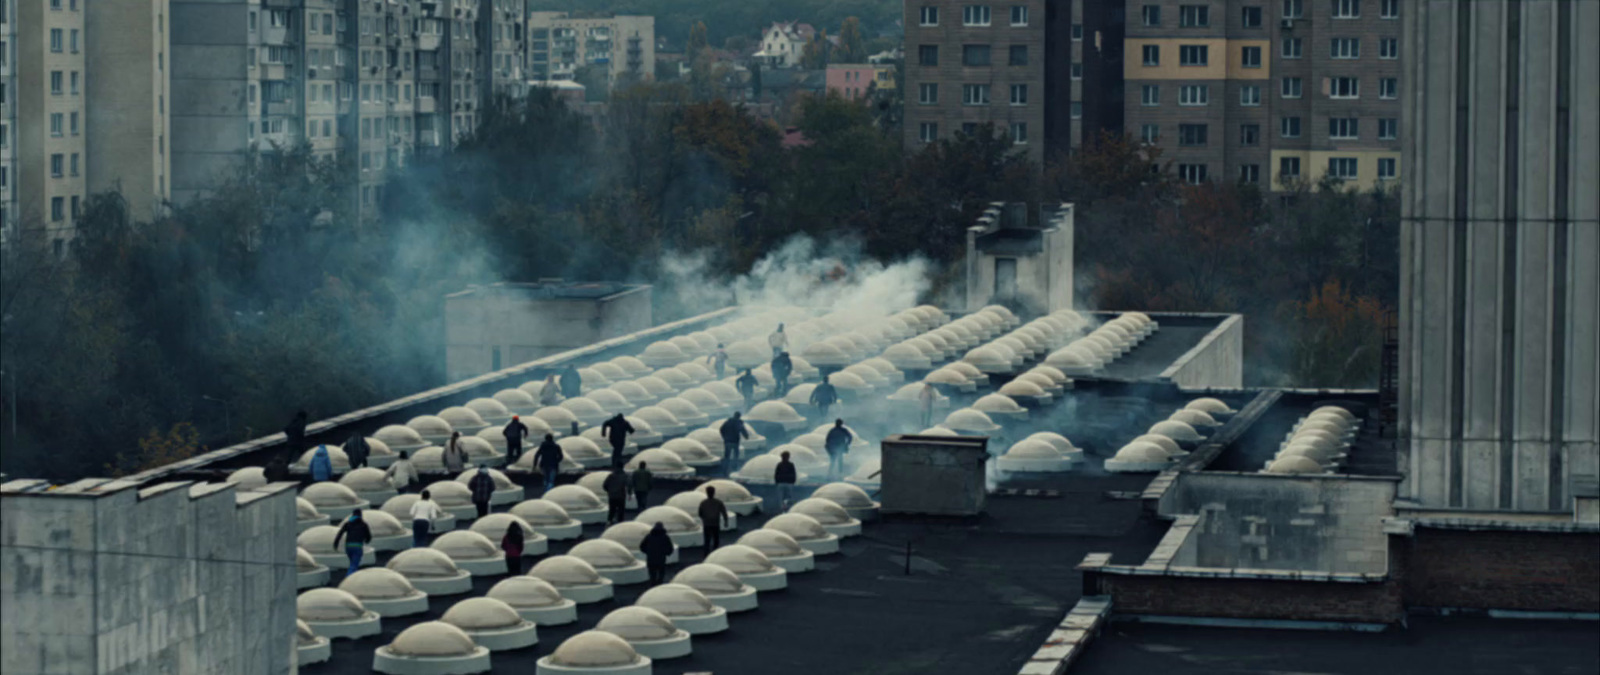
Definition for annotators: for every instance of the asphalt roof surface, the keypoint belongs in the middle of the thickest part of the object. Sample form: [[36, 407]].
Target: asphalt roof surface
[[1455, 645]]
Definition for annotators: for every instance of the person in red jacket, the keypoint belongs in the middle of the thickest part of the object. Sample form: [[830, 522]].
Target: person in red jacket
[[511, 543]]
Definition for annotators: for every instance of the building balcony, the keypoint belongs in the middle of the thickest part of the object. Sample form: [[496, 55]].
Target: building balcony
[[427, 105], [274, 71], [428, 42], [282, 108]]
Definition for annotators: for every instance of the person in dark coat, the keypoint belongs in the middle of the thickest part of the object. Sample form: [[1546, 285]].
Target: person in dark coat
[[321, 466], [656, 547], [746, 384], [713, 517], [837, 444], [295, 433], [782, 367], [616, 429], [356, 449], [514, 432], [732, 431], [511, 543], [824, 396], [571, 382], [482, 486], [616, 489], [355, 534], [784, 476], [548, 459], [640, 482]]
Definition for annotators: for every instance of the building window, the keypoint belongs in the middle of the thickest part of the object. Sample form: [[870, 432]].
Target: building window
[[1149, 134], [1019, 15], [55, 82], [1344, 87], [1193, 174], [1389, 88], [1250, 17], [1250, 57], [1345, 48], [57, 163], [1194, 16], [1289, 127], [1389, 48], [1389, 9], [1291, 87], [1293, 9], [74, 83], [58, 208], [1343, 168], [1343, 128], [974, 55], [975, 94], [1387, 168], [1194, 55], [1076, 111], [56, 40], [1291, 48], [1150, 94], [1346, 9], [930, 16], [1019, 133], [72, 120], [1150, 15], [1191, 135], [74, 168], [928, 94], [1250, 95], [975, 15], [1250, 134], [1152, 55], [1018, 55], [1077, 31], [252, 22], [57, 124], [1388, 129], [73, 43], [1194, 94], [1288, 168], [1019, 94], [1077, 71], [1250, 173], [928, 55]]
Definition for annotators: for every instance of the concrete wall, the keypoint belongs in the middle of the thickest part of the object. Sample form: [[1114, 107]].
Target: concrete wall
[[1217, 361], [1263, 521], [1044, 279], [526, 327], [1500, 340], [934, 475], [105, 578]]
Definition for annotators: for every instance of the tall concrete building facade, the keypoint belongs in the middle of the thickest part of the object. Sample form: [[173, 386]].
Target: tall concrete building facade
[[1034, 69], [127, 89], [623, 46], [8, 119], [1500, 291], [1267, 91], [51, 64]]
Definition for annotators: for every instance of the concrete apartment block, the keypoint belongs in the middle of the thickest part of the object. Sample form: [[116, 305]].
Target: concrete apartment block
[[1500, 338], [104, 577]]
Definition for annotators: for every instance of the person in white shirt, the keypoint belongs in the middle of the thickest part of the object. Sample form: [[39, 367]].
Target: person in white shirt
[[402, 473], [778, 340], [423, 513]]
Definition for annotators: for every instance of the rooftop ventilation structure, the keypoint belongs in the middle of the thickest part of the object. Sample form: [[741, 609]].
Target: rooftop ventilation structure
[[492, 624], [780, 549], [612, 560], [1138, 457], [386, 592], [431, 648], [310, 648], [688, 608], [720, 585], [736, 497], [453, 498], [806, 531], [307, 516], [335, 614], [931, 475], [472, 552], [833, 517], [308, 572], [575, 578], [433, 429], [662, 463], [688, 501], [548, 518], [339, 461], [399, 506], [535, 600], [494, 526], [505, 491], [431, 571], [630, 534], [594, 652], [682, 528], [318, 541], [648, 631], [369, 484]]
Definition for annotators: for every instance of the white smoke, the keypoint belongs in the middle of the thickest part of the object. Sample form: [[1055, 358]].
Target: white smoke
[[833, 278]]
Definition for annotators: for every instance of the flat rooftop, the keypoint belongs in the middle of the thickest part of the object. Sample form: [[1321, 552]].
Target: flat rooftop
[[1455, 645], [551, 289]]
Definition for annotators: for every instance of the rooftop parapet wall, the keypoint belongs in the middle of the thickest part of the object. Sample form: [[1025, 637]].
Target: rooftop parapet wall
[[1217, 361], [1513, 566], [100, 577]]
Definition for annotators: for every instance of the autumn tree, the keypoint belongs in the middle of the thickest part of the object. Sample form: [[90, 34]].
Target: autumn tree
[[815, 54], [851, 47], [697, 41]]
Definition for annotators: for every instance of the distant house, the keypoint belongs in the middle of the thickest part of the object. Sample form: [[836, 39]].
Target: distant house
[[783, 43], [856, 81]]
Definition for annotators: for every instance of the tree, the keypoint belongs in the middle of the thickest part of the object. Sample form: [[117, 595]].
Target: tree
[[815, 54], [851, 48], [697, 41]]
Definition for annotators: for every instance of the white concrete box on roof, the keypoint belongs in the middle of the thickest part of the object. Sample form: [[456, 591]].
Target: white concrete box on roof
[[495, 525], [688, 608], [536, 600], [308, 572], [548, 519], [431, 648], [333, 614], [318, 541], [806, 531], [431, 571], [386, 592], [648, 631], [612, 560], [575, 578], [492, 624], [720, 585], [594, 652]]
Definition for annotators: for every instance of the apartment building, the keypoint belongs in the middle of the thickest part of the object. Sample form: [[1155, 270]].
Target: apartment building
[[504, 31], [1267, 91], [8, 118], [127, 89], [1035, 69], [49, 181], [559, 43]]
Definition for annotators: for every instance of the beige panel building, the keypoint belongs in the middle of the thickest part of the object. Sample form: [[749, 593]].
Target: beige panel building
[[128, 88], [1267, 91], [51, 64], [8, 119]]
